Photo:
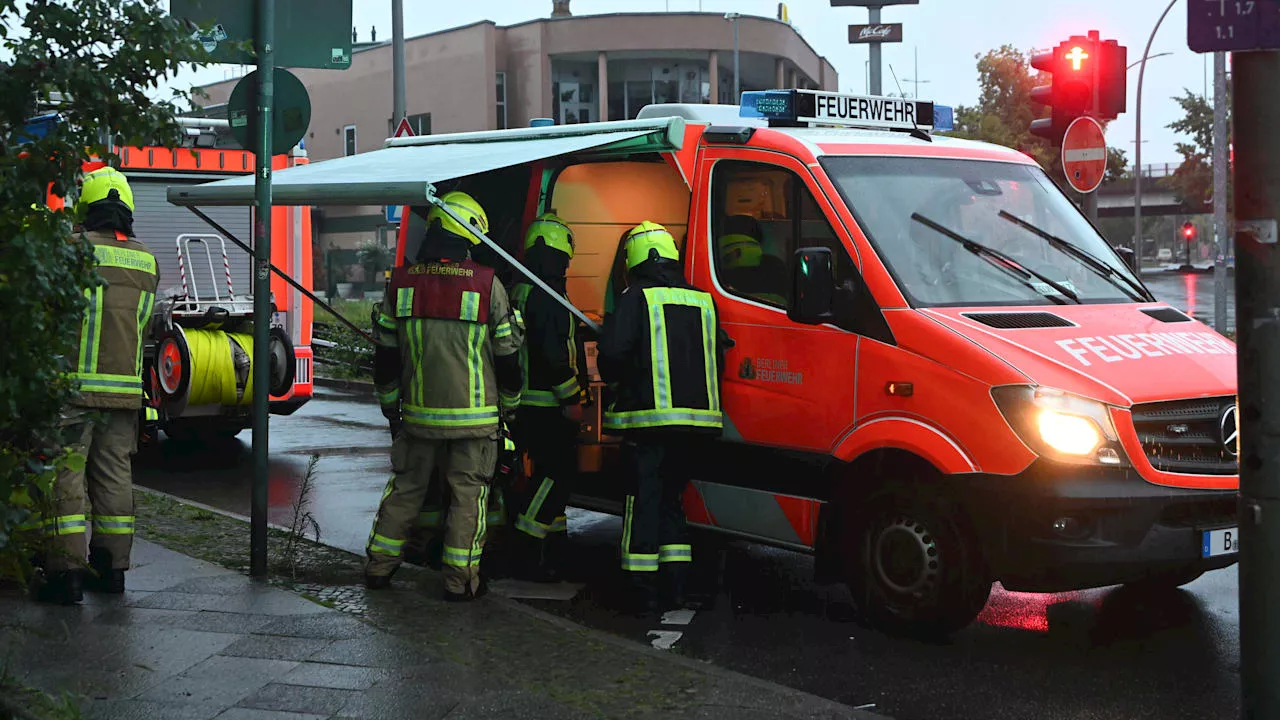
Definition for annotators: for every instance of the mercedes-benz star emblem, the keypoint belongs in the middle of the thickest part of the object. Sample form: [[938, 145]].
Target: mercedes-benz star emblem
[[1230, 430]]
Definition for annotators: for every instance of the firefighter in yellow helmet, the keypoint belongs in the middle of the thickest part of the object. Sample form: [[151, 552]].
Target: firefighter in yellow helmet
[[103, 418], [447, 373], [744, 267], [662, 350], [550, 401]]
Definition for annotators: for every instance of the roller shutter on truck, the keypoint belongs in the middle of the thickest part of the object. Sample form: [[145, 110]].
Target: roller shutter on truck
[[158, 224]]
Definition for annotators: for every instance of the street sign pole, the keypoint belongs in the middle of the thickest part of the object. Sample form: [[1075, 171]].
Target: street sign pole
[[1256, 109], [397, 61], [263, 44], [873, 18], [1220, 163]]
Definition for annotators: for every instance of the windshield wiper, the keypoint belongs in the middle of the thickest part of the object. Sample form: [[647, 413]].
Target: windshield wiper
[[1130, 286], [999, 259]]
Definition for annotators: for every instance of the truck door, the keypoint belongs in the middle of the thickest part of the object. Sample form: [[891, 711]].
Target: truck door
[[786, 385]]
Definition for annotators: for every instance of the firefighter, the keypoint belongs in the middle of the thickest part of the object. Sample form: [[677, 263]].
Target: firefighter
[[448, 377], [102, 421], [550, 402], [662, 350]]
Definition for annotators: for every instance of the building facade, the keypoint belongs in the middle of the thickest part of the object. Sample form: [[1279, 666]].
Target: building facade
[[569, 68]]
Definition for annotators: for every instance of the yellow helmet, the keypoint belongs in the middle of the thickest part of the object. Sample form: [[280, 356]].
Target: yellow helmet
[[554, 233], [740, 251], [647, 238], [464, 206], [98, 185]]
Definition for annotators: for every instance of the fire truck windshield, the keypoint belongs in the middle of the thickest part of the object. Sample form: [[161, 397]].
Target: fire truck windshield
[[1010, 208]]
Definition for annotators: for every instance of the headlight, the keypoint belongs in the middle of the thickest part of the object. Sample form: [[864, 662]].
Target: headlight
[[1059, 425]]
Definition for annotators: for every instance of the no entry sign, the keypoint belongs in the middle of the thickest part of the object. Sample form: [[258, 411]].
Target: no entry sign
[[1084, 154]]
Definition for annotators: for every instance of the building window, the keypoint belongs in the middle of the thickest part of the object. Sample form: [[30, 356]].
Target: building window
[[502, 101], [349, 140], [420, 124]]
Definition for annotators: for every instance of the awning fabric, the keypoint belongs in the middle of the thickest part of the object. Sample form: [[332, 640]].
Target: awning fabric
[[402, 174]]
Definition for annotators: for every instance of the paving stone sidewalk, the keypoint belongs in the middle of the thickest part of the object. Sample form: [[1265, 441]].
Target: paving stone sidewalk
[[194, 641]]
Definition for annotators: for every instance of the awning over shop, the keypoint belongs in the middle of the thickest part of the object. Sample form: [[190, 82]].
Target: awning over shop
[[403, 172]]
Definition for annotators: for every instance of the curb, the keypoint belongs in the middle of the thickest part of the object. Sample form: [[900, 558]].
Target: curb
[[343, 384], [512, 605]]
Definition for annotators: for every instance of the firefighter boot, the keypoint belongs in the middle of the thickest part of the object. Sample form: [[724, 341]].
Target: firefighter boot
[[641, 595], [63, 588], [531, 562], [103, 578]]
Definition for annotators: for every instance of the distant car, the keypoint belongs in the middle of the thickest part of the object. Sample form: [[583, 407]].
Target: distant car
[[1164, 255]]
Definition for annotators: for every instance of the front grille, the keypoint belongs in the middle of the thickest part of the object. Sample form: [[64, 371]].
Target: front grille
[[1187, 436], [1019, 320]]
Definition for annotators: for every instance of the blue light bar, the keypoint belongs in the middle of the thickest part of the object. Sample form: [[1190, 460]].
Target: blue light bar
[[943, 117], [814, 107]]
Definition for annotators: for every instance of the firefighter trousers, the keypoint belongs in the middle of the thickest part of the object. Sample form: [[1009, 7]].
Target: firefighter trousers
[[468, 467], [107, 440], [654, 535], [550, 439]]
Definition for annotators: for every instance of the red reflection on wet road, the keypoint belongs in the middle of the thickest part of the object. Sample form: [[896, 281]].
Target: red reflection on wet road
[[1025, 611], [1189, 287]]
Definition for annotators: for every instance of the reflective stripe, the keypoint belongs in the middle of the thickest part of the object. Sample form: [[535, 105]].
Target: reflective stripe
[[658, 356], [475, 364], [503, 330], [635, 562], [386, 491], [510, 400], [91, 331], [482, 524], [145, 300], [114, 384], [414, 334], [66, 524], [560, 524], [633, 419], [567, 389], [518, 317], [113, 524], [152, 413], [675, 553], [531, 527], [450, 417], [539, 398], [391, 397], [404, 302], [124, 258], [457, 557], [527, 520], [385, 545], [470, 310], [386, 321]]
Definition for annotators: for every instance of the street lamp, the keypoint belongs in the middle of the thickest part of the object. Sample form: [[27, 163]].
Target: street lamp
[[732, 17], [1137, 145]]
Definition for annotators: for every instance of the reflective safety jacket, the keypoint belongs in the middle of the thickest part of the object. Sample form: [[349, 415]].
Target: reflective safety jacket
[[662, 348], [549, 358], [108, 359], [447, 360]]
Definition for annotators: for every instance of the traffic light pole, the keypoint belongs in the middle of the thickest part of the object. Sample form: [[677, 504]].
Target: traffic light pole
[[1256, 108], [1220, 162], [266, 17]]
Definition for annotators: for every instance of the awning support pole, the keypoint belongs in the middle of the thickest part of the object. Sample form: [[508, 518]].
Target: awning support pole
[[310, 295], [436, 201]]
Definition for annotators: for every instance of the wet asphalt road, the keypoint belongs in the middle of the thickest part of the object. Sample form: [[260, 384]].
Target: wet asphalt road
[[1193, 293], [1100, 654]]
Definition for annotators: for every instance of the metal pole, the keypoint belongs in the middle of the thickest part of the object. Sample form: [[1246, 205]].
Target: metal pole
[[1089, 204], [1137, 141], [1256, 109], [262, 287], [737, 78], [873, 17], [1220, 192], [397, 62]]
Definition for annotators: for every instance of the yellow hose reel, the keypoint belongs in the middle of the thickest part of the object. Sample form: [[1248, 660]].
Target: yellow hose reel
[[213, 367]]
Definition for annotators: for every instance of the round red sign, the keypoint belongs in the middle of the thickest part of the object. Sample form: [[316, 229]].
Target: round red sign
[[1084, 154]]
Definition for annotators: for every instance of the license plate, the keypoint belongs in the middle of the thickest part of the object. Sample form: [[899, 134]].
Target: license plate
[[1220, 542]]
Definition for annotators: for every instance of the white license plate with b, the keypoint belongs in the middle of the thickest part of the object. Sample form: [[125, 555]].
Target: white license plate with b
[[1220, 542]]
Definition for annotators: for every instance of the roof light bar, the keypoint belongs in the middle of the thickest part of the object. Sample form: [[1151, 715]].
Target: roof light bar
[[799, 108]]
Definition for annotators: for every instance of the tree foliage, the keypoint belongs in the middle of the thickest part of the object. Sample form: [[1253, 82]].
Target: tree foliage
[[1004, 112], [1193, 180], [94, 61]]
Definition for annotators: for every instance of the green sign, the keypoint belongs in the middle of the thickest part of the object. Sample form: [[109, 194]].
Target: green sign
[[308, 33], [290, 116]]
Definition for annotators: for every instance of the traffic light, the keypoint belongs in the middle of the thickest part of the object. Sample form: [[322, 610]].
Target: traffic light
[[1087, 77], [1188, 231]]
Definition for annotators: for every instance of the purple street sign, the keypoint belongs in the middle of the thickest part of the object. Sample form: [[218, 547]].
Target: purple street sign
[[1233, 25]]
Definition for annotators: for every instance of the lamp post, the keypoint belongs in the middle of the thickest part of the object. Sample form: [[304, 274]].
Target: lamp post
[[732, 17], [1137, 145]]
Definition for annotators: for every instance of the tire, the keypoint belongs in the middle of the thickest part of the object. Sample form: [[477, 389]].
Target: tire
[[1168, 579], [914, 566]]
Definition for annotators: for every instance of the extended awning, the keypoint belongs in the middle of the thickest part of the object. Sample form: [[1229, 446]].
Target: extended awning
[[403, 172]]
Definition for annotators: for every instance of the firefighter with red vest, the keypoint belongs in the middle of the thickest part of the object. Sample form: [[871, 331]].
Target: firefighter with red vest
[[447, 373], [661, 352], [102, 421]]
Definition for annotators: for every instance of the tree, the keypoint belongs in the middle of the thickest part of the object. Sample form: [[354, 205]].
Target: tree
[[1193, 180], [1004, 112], [93, 61]]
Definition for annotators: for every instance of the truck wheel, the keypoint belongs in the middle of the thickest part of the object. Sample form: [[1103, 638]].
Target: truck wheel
[[914, 567], [1167, 580]]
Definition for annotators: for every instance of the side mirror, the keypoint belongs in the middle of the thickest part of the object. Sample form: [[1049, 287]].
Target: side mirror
[[812, 286]]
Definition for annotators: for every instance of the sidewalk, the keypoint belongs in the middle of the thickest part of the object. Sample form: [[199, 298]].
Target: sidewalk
[[193, 641]]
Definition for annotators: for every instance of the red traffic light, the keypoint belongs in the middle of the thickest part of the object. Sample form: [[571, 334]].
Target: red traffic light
[[1188, 231], [1088, 76]]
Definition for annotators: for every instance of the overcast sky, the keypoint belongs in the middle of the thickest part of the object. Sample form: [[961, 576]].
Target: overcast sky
[[946, 33]]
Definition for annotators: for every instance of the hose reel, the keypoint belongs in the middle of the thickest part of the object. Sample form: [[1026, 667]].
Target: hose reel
[[213, 367]]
